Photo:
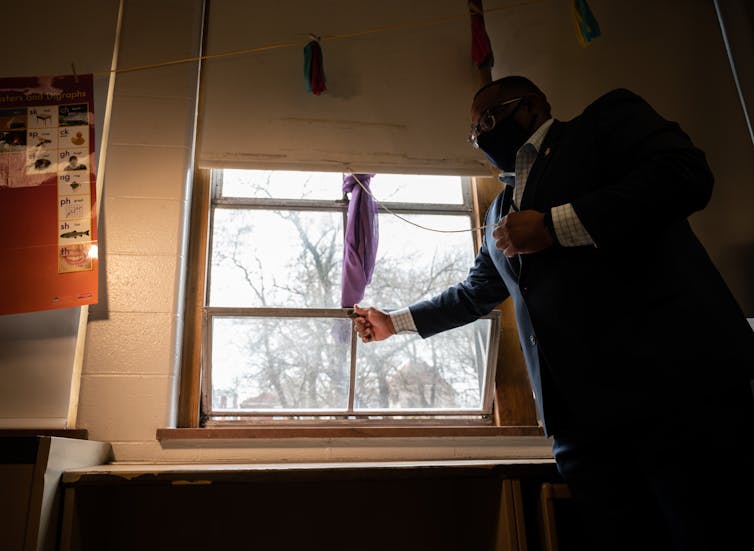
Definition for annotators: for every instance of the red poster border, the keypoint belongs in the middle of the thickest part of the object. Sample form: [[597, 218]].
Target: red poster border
[[29, 227]]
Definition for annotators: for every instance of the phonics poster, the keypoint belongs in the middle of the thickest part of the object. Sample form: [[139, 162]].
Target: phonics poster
[[48, 233]]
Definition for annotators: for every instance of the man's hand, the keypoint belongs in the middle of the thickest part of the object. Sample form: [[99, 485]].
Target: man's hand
[[522, 233], [372, 324]]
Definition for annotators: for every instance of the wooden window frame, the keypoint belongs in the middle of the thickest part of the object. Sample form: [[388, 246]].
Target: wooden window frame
[[514, 410]]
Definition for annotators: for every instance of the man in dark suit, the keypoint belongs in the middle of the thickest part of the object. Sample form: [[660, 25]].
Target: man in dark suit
[[639, 357]]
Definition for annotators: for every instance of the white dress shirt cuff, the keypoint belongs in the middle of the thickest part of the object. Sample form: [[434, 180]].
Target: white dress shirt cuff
[[403, 321], [569, 229]]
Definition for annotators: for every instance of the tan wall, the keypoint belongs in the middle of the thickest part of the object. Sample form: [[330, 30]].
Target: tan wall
[[669, 51], [37, 349]]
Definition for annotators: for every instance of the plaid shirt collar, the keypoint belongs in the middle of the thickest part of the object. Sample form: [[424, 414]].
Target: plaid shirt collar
[[540, 133]]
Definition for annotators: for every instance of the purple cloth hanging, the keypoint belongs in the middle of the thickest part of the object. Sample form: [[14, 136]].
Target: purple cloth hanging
[[361, 237]]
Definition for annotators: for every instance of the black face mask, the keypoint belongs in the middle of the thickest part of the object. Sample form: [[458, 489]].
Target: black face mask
[[501, 144]]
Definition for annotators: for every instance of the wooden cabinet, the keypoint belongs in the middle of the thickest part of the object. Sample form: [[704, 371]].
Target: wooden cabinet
[[30, 471], [390, 506]]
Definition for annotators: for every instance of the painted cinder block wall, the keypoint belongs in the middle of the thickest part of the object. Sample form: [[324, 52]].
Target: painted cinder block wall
[[130, 372], [37, 349]]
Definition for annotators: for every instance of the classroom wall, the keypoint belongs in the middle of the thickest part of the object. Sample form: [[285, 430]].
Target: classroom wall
[[670, 51], [37, 349]]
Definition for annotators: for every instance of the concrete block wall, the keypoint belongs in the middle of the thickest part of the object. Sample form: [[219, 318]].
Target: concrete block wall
[[132, 349], [37, 348], [131, 368]]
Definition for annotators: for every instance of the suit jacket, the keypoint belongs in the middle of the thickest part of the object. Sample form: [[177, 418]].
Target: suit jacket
[[639, 325]]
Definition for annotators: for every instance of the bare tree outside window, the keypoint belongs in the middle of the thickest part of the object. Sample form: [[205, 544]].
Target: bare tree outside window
[[279, 345]]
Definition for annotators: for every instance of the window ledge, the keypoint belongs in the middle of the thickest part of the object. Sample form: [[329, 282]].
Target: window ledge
[[207, 473], [223, 433]]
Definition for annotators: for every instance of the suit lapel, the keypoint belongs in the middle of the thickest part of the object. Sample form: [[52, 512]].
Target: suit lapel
[[538, 170], [498, 209], [549, 146]]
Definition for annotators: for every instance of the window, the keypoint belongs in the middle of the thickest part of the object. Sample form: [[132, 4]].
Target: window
[[277, 345], [250, 286]]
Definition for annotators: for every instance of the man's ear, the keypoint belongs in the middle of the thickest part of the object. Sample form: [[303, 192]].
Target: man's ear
[[529, 107], [531, 102], [537, 104]]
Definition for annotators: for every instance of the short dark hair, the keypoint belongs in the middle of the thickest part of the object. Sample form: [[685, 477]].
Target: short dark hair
[[515, 82], [519, 85]]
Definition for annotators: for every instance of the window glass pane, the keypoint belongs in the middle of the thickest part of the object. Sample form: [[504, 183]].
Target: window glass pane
[[415, 263], [402, 188], [408, 372], [283, 256], [279, 363], [276, 258], [282, 184]]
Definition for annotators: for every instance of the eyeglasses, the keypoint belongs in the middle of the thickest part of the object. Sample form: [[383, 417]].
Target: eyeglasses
[[487, 121]]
